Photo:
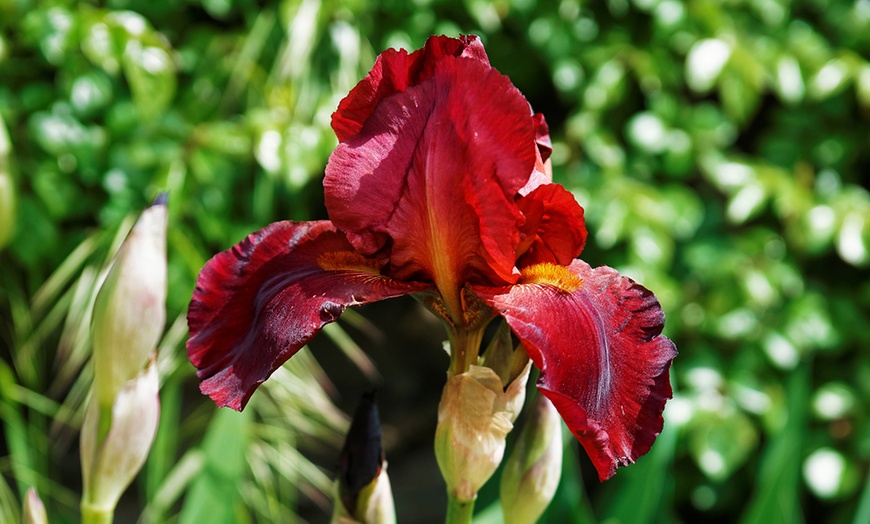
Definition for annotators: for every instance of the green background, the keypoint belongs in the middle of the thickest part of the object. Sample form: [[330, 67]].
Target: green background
[[721, 150]]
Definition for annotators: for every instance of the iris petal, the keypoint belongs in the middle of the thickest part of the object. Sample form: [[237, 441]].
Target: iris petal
[[256, 304], [433, 176], [554, 230], [393, 72], [604, 363]]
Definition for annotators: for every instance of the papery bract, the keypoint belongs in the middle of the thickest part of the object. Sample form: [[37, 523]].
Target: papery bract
[[33, 510], [475, 415], [110, 463]]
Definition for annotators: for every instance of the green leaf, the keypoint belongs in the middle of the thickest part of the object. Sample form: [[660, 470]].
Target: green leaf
[[16, 431], [776, 499], [722, 441], [571, 502], [644, 489], [151, 73], [215, 495]]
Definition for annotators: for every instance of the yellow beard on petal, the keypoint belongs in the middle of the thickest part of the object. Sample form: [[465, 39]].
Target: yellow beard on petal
[[551, 274]]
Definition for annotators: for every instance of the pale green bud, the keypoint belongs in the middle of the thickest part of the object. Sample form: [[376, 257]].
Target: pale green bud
[[531, 473], [374, 503], [7, 189], [33, 511], [501, 356], [474, 417], [111, 463], [130, 309], [7, 207]]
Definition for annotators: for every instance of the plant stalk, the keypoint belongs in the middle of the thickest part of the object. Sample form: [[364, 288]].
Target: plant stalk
[[92, 515], [458, 511]]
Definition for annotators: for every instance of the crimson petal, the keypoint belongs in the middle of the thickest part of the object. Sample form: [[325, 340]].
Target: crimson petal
[[554, 231], [256, 304], [433, 176], [393, 72], [604, 363], [542, 136]]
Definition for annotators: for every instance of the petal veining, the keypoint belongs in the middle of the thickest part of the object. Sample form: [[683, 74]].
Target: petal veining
[[393, 72], [257, 303], [604, 363], [431, 179]]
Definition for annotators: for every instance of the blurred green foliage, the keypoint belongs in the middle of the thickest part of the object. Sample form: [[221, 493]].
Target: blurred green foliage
[[720, 148]]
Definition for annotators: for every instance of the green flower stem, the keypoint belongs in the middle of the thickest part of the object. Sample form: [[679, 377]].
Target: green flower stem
[[92, 515], [458, 511]]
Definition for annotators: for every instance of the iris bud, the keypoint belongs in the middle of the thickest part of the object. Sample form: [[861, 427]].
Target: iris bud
[[130, 310], [33, 510], [7, 190], [109, 464], [364, 494], [474, 417], [531, 473], [509, 364]]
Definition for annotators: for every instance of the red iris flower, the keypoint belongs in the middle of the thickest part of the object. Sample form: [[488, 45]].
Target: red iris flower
[[440, 188]]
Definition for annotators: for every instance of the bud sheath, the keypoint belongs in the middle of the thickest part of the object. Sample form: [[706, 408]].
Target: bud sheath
[[130, 310], [531, 473]]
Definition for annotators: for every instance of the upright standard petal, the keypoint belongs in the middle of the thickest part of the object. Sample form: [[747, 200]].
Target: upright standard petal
[[432, 177], [596, 337], [554, 230], [256, 304], [543, 173], [393, 72]]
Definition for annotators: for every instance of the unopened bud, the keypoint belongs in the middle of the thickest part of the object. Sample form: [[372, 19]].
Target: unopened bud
[[110, 464], [531, 473], [474, 417], [7, 189], [130, 309], [33, 511], [501, 356], [363, 486]]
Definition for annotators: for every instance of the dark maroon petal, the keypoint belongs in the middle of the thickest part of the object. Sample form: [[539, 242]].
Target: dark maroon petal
[[256, 304], [393, 72], [434, 174], [554, 231], [604, 363]]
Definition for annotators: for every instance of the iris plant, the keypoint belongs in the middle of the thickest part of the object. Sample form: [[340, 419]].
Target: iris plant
[[440, 188]]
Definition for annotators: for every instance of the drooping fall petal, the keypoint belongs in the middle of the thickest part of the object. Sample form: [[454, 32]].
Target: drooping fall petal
[[596, 337], [554, 230], [432, 177], [393, 72], [256, 304]]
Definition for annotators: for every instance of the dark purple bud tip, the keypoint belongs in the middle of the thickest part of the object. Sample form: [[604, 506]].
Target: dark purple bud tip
[[362, 456], [162, 199]]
